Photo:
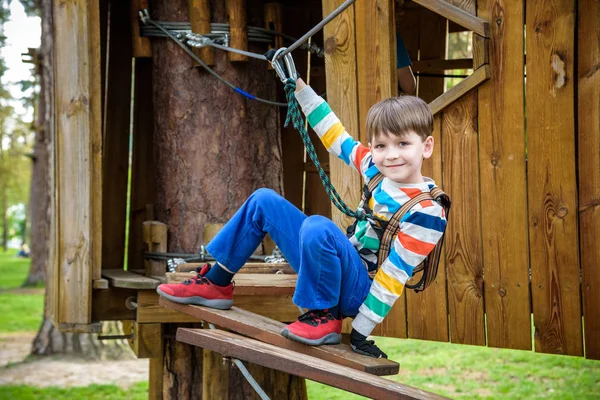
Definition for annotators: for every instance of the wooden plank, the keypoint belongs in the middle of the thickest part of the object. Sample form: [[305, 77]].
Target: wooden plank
[[279, 308], [238, 33], [427, 316], [252, 284], [248, 268], [78, 159], [273, 21], [463, 234], [99, 284], [551, 177], [142, 47], [503, 187], [215, 376], [156, 367], [268, 330], [143, 168], [375, 54], [340, 68], [435, 65], [588, 97], [199, 15], [458, 15], [155, 240], [111, 304], [94, 327], [464, 87], [115, 152], [128, 280], [481, 50], [359, 382], [147, 340]]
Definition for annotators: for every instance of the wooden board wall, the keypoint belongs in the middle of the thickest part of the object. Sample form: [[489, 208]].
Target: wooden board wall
[[588, 101], [77, 162], [503, 187], [552, 185], [428, 311]]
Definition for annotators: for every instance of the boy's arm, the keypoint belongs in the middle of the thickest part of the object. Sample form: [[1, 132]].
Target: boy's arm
[[417, 236], [330, 130]]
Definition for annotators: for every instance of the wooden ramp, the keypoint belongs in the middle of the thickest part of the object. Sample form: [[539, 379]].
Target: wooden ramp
[[303, 365], [267, 330]]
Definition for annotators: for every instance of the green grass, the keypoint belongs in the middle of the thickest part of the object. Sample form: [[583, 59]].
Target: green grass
[[13, 270], [471, 372], [21, 312], [92, 392]]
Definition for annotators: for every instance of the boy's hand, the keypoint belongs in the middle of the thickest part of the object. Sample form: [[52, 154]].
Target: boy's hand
[[361, 345]]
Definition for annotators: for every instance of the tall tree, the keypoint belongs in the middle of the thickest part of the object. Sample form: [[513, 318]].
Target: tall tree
[[213, 149]]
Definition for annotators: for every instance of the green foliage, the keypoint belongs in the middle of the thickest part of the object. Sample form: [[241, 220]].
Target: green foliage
[[92, 392]]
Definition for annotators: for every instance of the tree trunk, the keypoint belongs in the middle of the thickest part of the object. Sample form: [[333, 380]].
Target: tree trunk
[[4, 220], [213, 148], [39, 199]]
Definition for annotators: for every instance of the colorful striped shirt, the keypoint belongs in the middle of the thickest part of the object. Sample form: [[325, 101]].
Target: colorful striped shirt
[[420, 228]]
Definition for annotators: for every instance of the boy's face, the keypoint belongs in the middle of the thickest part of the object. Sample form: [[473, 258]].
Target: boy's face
[[399, 158]]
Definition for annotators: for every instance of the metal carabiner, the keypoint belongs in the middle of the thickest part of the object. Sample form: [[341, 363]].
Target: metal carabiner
[[278, 66]]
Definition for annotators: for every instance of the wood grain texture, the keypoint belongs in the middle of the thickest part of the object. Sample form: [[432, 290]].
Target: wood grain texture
[[427, 311], [252, 284], [232, 345], [267, 330], [458, 15], [340, 66], [200, 19], [465, 86], [588, 116], [238, 31], [115, 152], [463, 235], [552, 184], [78, 159], [503, 186]]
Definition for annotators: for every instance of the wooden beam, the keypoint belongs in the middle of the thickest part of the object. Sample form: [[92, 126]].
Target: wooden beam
[[125, 279], [273, 21], [238, 31], [468, 84], [588, 134], [155, 240], [359, 382], [252, 284], [279, 308], [455, 14], [340, 66], [199, 15], [142, 47], [481, 51], [440, 64], [111, 304], [268, 330], [77, 216], [248, 268]]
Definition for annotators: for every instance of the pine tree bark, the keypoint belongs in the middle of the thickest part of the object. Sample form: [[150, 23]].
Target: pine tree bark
[[213, 148]]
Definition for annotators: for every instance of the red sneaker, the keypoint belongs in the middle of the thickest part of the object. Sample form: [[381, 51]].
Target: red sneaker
[[200, 291], [315, 328]]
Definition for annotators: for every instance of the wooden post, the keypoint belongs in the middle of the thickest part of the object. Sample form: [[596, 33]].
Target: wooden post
[[238, 31], [273, 21], [155, 239], [142, 47], [199, 14]]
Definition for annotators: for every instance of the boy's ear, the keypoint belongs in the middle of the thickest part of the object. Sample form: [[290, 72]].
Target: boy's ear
[[428, 151]]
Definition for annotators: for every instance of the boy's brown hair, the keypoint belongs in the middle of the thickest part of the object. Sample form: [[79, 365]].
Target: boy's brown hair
[[398, 115]]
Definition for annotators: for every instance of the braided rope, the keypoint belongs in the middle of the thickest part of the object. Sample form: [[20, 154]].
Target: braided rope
[[294, 115]]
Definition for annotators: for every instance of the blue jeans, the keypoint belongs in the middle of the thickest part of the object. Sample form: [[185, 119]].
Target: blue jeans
[[330, 271]]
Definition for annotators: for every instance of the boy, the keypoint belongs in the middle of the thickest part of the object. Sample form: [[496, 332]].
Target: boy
[[334, 270]]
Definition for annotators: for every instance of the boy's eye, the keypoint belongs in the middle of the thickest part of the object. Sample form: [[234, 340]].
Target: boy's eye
[[379, 146], [404, 143]]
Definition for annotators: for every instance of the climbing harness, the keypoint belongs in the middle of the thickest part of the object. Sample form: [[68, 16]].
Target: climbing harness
[[388, 230]]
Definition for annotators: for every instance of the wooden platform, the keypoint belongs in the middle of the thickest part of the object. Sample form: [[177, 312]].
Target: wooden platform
[[267, 330], [252, 284], [299, 364]]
